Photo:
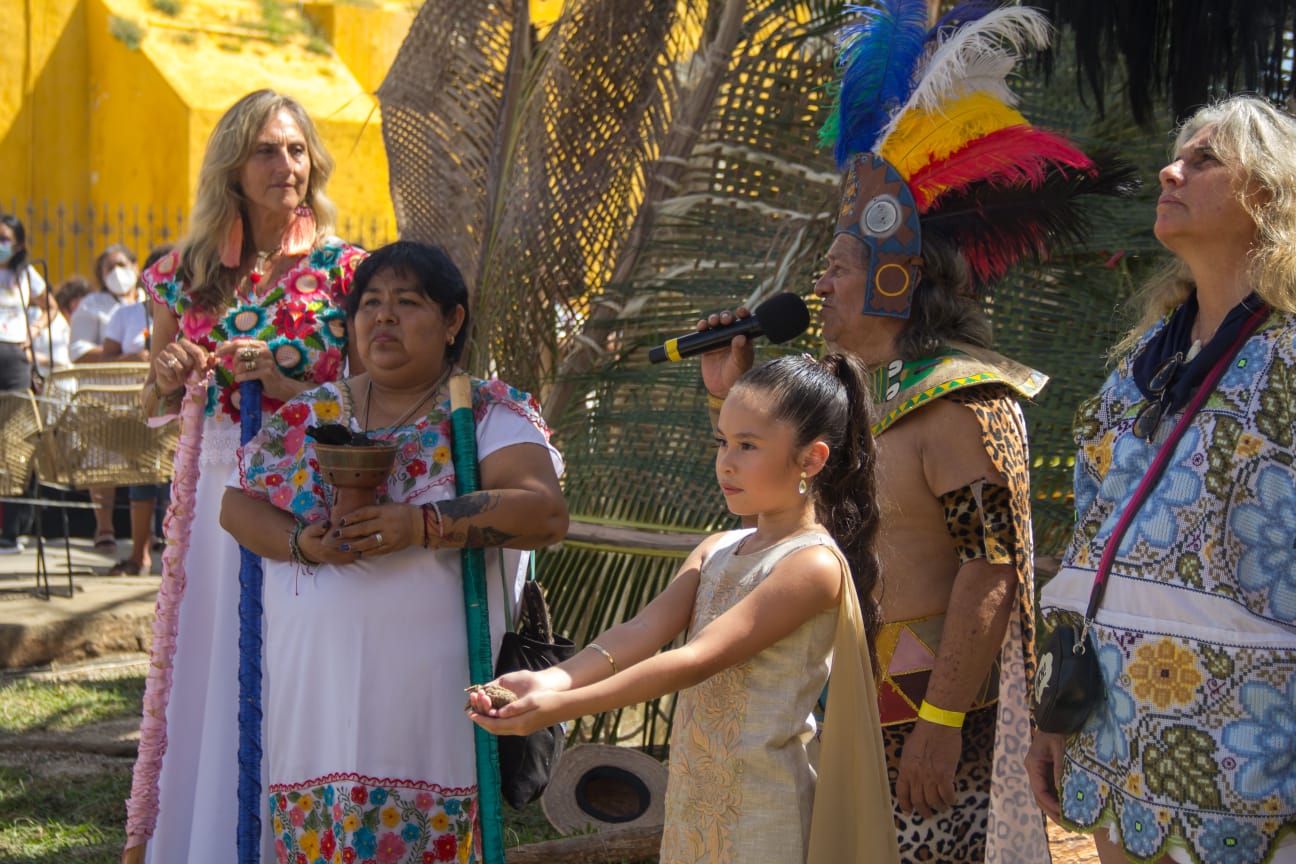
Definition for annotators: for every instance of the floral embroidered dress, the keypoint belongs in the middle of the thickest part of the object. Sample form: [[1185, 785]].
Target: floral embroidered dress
[[1193, 752], [370, 757], [301, 318], [741, 785]]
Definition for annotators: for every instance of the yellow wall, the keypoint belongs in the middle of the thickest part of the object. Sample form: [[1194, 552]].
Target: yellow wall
[[138, 124], [366, 39], [92, 123], [43, 122]]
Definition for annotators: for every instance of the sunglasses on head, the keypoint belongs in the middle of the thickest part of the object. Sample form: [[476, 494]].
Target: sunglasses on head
[[1149, 416]]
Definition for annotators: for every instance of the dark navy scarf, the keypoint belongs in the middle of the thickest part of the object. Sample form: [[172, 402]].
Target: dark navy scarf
[[1176, 337]]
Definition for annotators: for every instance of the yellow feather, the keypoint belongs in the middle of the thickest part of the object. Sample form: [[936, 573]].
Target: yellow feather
[[921, 138]]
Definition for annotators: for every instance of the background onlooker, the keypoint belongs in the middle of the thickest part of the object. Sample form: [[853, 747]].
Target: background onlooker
[[70, 293], [127, 339], [115, 278], [20, 290], [51, 334]]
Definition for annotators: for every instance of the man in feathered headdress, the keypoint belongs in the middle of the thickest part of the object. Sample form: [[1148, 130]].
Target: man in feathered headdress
[[945, 187]]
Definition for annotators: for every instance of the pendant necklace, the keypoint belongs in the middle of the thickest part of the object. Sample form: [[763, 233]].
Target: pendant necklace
[[263, 264], [408, 414]]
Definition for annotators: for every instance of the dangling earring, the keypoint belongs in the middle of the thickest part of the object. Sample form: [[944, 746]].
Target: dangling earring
[[300, 236], [231, 248], [803, 486]]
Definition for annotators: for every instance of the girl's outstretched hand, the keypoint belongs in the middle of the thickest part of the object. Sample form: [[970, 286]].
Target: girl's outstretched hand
[[524, 715]]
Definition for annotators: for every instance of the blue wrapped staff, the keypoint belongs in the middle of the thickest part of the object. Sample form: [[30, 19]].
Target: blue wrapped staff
[[463, 447], [249, 674]]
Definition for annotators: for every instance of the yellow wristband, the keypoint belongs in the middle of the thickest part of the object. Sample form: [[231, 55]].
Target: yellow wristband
[[606, 654], [941, 717], [714, 401]]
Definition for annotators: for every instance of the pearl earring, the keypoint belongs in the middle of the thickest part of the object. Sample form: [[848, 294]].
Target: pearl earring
[[802, 486]]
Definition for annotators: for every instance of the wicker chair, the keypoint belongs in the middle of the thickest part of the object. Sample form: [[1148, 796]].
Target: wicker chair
[[101, 439], [91, 432], [21, 427]]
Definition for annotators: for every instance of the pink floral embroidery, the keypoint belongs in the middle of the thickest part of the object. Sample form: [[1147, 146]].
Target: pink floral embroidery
[[197, 324], [390, 849], [282, 497], [328, 365], [294, 440]]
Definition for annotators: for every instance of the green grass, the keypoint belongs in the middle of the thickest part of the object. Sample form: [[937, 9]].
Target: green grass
[[80, 819], [48, 706], [44, 820]]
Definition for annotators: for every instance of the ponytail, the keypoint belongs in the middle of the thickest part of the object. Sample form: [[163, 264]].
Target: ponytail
[[846, 489]]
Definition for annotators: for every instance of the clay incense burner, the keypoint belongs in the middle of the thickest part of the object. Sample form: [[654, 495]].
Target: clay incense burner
[[353, 464]]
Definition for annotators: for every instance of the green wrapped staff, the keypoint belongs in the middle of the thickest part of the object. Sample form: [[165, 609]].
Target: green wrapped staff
[[467, 480]]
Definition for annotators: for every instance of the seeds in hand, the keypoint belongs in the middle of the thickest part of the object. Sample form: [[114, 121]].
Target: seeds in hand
[[499, 696]]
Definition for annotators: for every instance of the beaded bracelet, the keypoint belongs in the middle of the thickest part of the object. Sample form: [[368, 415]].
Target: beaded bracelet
[[294, 547]]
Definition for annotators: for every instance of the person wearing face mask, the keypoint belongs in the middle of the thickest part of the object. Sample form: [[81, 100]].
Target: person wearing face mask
[[115, 272], [21, 292]]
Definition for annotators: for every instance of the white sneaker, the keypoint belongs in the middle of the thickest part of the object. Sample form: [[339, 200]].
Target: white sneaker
[[10, 547]]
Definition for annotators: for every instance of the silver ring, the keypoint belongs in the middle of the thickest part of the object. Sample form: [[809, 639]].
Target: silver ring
[[171, 363], [378, 537]]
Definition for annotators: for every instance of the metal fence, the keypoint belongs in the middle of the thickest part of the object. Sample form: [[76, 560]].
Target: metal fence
[[67, 236]]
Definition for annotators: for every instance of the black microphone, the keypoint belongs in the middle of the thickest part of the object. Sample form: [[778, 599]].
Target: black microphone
[[780, 318]]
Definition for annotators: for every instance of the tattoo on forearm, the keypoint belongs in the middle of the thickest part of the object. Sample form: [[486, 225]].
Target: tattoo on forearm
[[467, 506], [480, 538], [473, 536]]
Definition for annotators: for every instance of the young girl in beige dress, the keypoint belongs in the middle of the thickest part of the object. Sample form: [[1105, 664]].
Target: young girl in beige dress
[[769, 611]]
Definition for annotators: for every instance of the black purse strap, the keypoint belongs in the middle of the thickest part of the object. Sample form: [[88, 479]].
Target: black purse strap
[[1158, 466]]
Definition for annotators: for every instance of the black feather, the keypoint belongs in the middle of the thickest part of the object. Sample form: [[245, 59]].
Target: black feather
[[1187, 51], [997, 227]]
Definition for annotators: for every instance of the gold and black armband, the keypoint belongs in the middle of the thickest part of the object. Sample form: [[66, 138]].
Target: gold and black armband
[[979, 519]]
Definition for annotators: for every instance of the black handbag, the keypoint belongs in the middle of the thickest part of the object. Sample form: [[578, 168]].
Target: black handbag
[[526, 761], [1068, 681]]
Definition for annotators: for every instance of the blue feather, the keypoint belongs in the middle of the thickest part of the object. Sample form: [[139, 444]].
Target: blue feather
[[878, 56], [964, 13]]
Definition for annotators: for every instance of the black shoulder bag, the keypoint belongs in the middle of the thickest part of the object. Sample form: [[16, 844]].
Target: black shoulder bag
[[526, 761], [1068, 682]]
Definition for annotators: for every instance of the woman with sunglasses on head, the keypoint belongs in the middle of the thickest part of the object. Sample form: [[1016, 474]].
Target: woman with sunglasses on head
[[1188, 755]]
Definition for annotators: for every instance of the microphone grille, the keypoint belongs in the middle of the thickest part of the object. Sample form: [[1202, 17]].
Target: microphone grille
[[783, 317]]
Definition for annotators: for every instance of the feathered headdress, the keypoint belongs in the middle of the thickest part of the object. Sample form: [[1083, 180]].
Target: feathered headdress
[[927, 135]]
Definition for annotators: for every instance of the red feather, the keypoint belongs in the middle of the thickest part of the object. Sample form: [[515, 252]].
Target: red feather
[[996, 227], [1013, 156]]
